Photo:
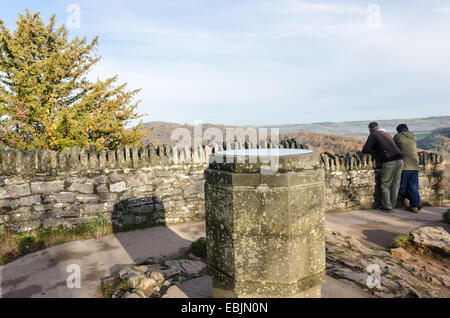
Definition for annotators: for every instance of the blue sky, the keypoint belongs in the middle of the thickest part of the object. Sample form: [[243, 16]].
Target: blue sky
[[269, 61]]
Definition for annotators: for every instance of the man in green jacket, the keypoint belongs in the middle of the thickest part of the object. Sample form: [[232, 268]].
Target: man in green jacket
[[409, 185]]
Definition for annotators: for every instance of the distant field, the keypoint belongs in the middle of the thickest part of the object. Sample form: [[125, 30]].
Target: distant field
[[422, 134]]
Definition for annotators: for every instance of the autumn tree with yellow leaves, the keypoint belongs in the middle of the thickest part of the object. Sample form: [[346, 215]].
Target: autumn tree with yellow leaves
[[46, 100]]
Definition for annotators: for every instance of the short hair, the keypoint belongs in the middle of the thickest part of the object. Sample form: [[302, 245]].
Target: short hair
[[401, 128], [373, 124]]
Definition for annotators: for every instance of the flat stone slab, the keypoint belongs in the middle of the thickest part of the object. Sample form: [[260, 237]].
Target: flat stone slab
[[202, 288], [193, 267], [336, 288], [272, 160], [435, 238]]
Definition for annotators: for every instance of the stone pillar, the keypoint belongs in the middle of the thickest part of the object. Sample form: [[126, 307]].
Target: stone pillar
[[265, 232]]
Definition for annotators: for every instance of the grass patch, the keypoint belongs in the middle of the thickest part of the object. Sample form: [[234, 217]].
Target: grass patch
[[447, 216], [400, 264], [403, 240], [422, 134], [27, 244], [16, 245], [110, 286], [198, 248]]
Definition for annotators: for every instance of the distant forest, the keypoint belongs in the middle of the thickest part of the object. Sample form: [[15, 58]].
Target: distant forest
[[434, 139], [161, 134], [438, 140], [333, 143]]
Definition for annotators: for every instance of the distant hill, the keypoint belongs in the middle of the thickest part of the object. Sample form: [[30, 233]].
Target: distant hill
[[438, 139], [163, 130], [356, 128], [317, 141], [328, 136], [339, 144]]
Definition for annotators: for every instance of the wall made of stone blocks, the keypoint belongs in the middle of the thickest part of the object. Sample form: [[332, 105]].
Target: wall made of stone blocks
[[351, 180], [170, 194], [46, 189]]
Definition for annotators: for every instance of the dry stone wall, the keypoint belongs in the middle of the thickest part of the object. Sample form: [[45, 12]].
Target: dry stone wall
[[352, 180], [44, 189]]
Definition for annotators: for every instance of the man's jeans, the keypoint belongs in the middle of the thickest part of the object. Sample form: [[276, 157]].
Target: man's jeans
[[391, 173], [409, 187]]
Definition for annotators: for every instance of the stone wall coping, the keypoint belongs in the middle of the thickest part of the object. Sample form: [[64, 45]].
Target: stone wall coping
[[76, 159]]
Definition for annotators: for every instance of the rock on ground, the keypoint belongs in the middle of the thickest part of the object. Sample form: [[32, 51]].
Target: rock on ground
[[143, 281], [435, 238], [400, 253], [349, 259]]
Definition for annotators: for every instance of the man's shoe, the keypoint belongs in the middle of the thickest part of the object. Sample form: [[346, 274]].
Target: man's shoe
[[413, 209], [384, 210], [421, 204], [401, 204]]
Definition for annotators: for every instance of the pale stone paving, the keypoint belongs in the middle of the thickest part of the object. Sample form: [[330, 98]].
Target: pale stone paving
[[43, 274]]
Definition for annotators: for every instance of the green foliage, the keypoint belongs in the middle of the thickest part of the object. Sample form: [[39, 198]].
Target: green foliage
[[99, 227], [402, 240], [46, 100], [28, 244], [113, 285], [447, 216], [198, 248]]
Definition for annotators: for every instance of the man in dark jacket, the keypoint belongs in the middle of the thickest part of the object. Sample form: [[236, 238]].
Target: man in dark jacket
[[409, 186], [382, 146]]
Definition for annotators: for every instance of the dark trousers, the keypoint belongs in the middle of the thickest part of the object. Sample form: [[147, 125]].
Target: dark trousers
[[409, 187]]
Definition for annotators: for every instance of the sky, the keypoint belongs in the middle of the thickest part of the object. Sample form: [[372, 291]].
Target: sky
[[267, 62]]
